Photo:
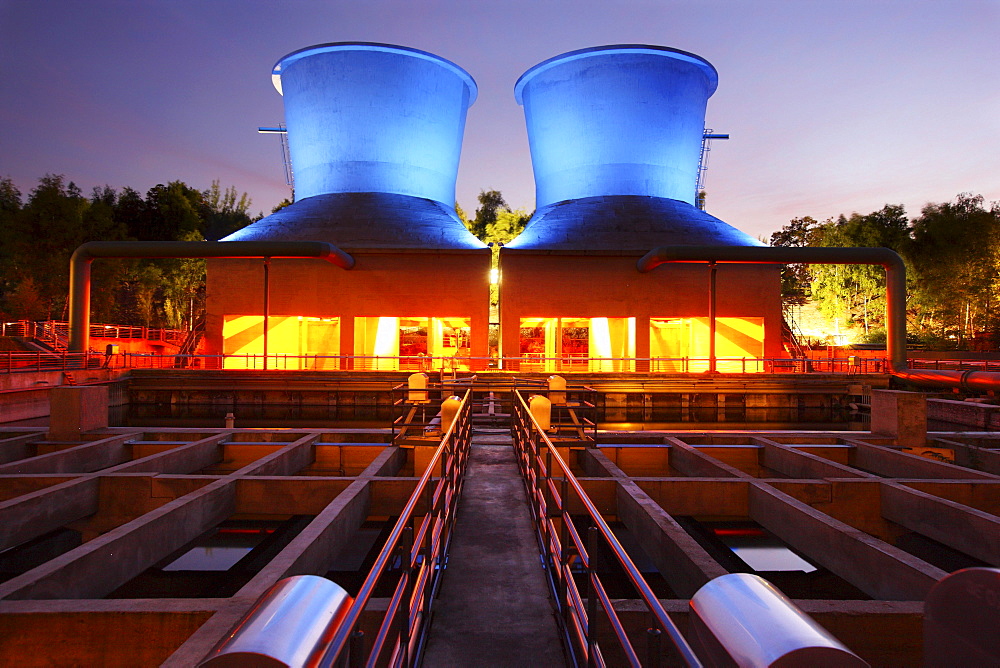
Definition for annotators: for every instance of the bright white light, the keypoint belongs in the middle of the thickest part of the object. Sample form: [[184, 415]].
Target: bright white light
[[494, 276]]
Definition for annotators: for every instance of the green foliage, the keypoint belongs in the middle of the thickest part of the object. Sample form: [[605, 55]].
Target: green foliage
[[952, 252], [26, 300], [10, 207], [796, 278], [508, 224], [495, 221], [491, 202], [227, 211], [857, 292], [955, 254], [39, 236]]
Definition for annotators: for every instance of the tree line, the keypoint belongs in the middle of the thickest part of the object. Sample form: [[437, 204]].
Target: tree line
[[38, 233], [952, 256]]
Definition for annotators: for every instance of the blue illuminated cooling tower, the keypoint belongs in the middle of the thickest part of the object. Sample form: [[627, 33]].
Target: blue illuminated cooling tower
[[615, 134], [375, 133]]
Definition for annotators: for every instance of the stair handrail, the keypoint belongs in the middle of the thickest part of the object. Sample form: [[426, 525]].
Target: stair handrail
[[539, 459], [420, 551]]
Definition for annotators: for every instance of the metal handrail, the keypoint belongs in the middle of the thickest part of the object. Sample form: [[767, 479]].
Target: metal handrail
[[956, 364], [58, 330], [32, 361], [17, 362], [421, 553], [549, 481], [724, 365]]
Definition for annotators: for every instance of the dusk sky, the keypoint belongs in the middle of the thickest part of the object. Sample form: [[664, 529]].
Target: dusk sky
[[833, 106]]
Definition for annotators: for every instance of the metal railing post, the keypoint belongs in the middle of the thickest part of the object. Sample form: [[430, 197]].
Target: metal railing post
[[357, 649], [592, 546], [406, 554], [653, 646]]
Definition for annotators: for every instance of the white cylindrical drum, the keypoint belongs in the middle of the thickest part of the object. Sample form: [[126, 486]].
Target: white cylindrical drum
[[287, 627], [742, 619]]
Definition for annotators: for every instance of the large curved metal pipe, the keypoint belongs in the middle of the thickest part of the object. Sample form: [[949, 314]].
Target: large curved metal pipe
[[79, 266], [895, 291], [972, 381], [895, 275]]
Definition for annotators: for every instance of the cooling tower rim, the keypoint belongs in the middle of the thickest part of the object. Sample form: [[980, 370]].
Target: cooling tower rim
[[290, 58], [647, 49]]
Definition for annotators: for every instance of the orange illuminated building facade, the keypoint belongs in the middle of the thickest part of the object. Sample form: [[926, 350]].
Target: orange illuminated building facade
[[599, 309], [580, 295], [615, 135], [408, 307]]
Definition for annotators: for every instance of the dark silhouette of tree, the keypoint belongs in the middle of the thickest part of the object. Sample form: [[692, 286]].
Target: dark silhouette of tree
[[796, 278], [955, 255], [39, 236]]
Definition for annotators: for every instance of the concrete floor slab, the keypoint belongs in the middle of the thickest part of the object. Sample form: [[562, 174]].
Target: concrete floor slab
[[493, 607]]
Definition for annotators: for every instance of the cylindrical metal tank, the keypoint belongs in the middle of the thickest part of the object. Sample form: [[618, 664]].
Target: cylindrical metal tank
[[616, 120], [365, 117], [289, 626]]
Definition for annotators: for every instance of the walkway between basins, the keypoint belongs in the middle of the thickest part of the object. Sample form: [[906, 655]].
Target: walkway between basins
[[493, 607]]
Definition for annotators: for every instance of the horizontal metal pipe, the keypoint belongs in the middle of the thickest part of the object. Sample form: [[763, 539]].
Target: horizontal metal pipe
[[895, 275], [982, 381], [79, 266]]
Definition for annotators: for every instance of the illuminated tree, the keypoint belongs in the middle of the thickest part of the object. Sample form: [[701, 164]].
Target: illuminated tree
[[495, 221], [857, 292]]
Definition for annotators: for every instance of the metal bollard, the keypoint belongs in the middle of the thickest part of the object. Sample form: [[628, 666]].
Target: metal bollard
[[541, 410], [557, 390], [417, 384], [449, 409]]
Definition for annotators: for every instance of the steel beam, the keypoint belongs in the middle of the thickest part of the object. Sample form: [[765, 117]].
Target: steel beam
[[895, 275], [79, 266], [895, 296]]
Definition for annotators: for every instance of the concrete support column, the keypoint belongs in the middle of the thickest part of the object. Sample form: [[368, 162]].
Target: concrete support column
[[309, 553], [873, 566], [347, 339], [642, 335], [684, 564], [901, 415], [77, 409]]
